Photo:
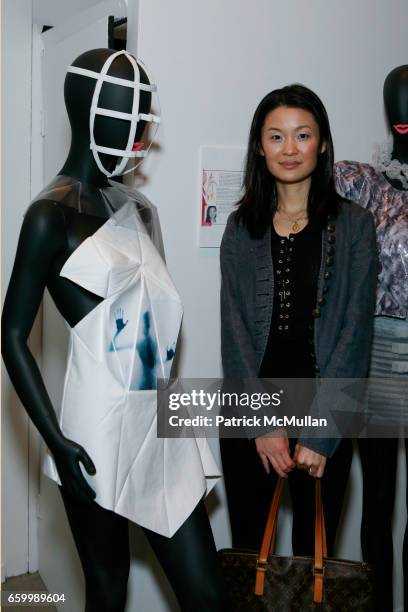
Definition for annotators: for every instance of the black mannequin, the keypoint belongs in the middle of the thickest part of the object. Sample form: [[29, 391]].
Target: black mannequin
[[50, 233], [379, 456]]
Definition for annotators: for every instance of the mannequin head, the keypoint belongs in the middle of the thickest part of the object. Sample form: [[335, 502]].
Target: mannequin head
[[396, 108], [108, 131]]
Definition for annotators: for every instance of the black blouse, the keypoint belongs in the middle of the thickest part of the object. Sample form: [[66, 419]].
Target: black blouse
[[296, 263]]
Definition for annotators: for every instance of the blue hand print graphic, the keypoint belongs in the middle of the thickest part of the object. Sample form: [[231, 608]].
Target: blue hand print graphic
[[170, 352], [120, 326]]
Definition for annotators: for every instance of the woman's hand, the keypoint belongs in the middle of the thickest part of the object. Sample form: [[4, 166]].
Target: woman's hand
[[309, 460], [274, 449]]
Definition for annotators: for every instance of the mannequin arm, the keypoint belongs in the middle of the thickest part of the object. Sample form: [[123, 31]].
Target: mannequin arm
[[42, 238]]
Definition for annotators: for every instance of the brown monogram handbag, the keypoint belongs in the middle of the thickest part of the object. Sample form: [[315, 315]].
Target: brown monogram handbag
[[266, 582]]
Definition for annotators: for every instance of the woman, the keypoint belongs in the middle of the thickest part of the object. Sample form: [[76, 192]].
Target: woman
[[298, 284]]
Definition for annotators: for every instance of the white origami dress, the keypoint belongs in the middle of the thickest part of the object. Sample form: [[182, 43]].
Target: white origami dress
[[116, 353]]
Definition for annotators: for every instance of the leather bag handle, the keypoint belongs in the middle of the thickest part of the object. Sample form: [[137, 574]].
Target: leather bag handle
[[320, 546], [268, 542]]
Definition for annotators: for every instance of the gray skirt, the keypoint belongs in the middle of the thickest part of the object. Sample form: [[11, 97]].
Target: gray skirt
[[388, 385]]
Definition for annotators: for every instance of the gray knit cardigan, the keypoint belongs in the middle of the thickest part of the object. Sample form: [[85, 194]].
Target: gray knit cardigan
[[344, 308]]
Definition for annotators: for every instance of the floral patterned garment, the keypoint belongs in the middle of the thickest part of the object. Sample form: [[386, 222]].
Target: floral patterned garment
[[369, 188]]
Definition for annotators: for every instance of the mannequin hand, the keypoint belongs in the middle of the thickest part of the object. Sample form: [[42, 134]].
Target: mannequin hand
[[67, 456], [309, 460], [274, 449]]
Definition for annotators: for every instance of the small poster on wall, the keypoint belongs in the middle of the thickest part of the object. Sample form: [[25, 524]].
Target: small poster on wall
[[221, 187]]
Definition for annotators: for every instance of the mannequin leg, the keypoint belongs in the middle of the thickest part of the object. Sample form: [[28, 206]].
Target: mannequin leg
[[102, 541], [333, 486], [189, 559], [379, 463]]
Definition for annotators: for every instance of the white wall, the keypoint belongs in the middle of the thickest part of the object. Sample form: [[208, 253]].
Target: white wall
[[213, 61], [16, 64]]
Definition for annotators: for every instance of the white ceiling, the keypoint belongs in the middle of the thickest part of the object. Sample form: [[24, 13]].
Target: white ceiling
[[54, 12]]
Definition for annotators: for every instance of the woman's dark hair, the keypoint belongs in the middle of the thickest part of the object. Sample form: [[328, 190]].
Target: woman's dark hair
[[259, 202]]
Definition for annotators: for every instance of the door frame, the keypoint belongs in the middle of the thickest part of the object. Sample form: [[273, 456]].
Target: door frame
[[43, 42]]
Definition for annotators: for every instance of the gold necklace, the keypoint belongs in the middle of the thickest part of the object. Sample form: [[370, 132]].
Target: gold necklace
[[294, 220]]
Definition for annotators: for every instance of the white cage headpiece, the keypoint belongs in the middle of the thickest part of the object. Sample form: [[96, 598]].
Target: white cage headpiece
[[133, 150]]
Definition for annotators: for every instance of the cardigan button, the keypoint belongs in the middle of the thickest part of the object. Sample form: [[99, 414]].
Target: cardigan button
[[325, 289], [327, 275], [316, 313], [329, 260], [317, 369], [330, 249], [331, 238], [331, 227], [321, 301]]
